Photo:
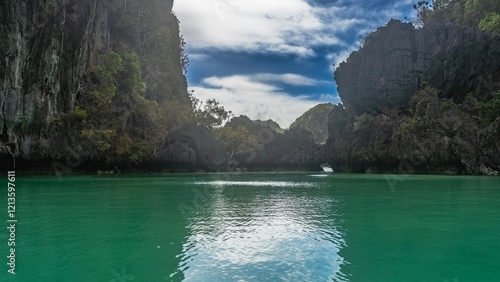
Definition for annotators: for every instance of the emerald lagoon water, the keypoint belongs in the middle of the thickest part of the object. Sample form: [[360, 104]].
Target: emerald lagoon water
[[255, 227]]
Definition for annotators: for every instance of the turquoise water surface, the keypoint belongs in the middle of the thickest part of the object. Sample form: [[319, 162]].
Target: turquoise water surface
[[255, 227]]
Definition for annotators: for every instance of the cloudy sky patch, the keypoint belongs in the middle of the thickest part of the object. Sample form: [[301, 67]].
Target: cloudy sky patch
[[274, 59], [258, 96]]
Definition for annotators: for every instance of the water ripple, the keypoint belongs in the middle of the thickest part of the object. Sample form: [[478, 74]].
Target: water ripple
[[257, 183], [274, 237]]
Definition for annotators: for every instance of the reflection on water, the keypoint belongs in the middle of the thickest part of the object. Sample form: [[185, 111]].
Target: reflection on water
[[257, 183], [246, 231]]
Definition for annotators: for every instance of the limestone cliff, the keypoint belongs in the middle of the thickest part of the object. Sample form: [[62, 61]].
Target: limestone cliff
[[51, 70], [396, 59], [45, 51], [406, 104]]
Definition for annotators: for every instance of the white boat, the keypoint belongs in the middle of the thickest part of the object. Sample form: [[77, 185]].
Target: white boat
[[326, 167]]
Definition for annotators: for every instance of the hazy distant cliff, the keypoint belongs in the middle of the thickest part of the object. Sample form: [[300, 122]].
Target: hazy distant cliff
[[315, 121], [406, 105], [264, 145]]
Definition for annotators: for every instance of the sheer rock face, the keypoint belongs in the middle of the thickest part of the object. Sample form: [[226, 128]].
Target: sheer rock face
[[406, 85], [45, 51], [397, 59], [46, 48]]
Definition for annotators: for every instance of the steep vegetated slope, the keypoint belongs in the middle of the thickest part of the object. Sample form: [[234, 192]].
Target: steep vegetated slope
[[315, 121]]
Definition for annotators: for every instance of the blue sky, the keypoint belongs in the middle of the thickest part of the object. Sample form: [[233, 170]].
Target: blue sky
[[272, 59]]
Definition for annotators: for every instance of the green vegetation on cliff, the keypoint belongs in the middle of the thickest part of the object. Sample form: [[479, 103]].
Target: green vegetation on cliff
[[363, 122], [315, 121], [209, 114], [484, 14], [486, 111]]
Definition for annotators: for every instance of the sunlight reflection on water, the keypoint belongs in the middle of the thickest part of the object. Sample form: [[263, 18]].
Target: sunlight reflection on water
[[262, 236], [257, 183]]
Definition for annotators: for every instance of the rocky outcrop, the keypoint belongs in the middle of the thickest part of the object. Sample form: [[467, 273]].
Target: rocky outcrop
[[397, 59], [315, 121], [271, 124], [178, 153], [257, 127], [404, 102], [193, 147], [434, 136]]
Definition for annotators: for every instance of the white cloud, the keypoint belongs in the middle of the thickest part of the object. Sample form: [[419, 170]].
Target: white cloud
[[239, 82], [256, 97], [295, 27], [288, 78], [198, 57], [337, 58], [278, 26], [329, 98]]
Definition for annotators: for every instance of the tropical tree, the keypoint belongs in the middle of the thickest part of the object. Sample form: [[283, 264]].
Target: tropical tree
[[236, 140], [209, 114], [490, 22], [423, 9], [484, 14]]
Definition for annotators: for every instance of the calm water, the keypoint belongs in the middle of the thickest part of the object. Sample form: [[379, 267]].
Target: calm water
[[256, 227]]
